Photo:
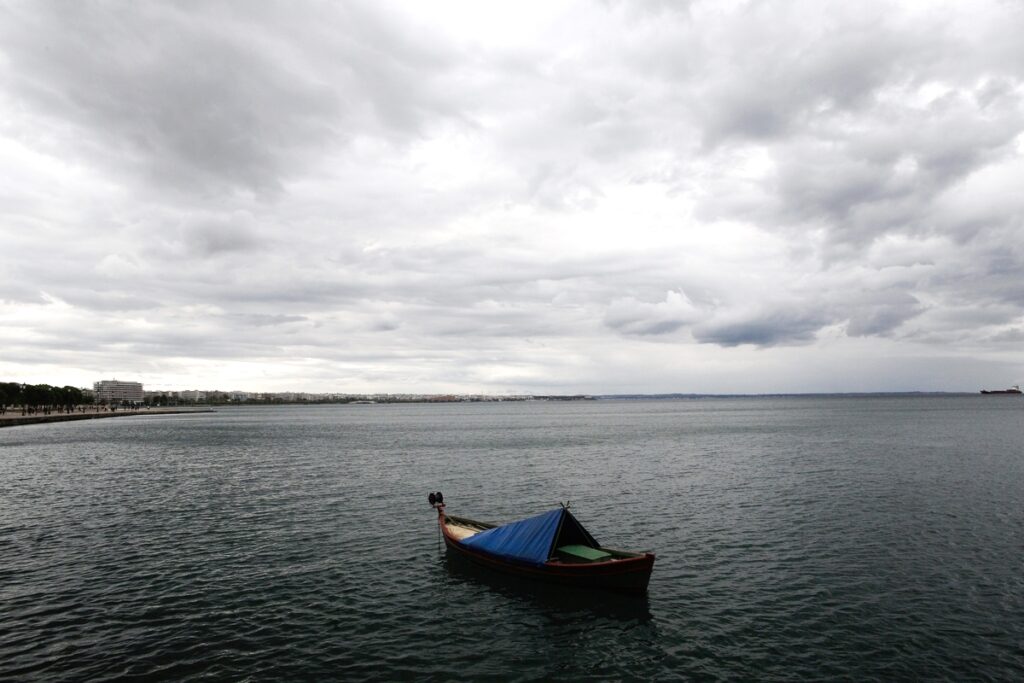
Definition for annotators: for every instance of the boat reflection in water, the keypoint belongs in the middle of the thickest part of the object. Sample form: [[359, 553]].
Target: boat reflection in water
[[557, 600]]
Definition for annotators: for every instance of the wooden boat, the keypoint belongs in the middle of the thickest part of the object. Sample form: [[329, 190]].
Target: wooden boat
[[552, 546]]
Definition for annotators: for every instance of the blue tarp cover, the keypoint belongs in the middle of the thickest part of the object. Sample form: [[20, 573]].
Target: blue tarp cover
[[528, 540]]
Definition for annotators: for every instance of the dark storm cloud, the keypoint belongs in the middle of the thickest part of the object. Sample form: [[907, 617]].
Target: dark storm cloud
[[864, 184], [219, 238], [257, 320], [395, 192], [860, 145], [775, 85], [191, 106], [1011, 336], [881, 313], [212, 97], [764, 328]]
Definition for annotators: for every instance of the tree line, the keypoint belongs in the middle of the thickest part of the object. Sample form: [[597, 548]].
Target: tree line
[[40, 398]]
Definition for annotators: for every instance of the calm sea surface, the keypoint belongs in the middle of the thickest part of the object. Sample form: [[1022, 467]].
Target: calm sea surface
[[797, 538]]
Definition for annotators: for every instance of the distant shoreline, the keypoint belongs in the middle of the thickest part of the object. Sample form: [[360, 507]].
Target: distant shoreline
[[15, 420]]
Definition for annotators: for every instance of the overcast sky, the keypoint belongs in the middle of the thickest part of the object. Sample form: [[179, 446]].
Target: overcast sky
[[735, 197]]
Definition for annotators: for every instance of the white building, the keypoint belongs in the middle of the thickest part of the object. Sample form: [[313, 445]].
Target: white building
[[114, 391]]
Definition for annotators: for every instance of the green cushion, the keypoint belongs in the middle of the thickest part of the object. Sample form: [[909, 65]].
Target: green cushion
[[584, 552]]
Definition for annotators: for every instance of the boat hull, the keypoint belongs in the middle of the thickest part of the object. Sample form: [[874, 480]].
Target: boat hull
[[626, 574]]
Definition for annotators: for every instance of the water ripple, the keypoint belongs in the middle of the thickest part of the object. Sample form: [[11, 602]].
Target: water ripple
[[865, 539]]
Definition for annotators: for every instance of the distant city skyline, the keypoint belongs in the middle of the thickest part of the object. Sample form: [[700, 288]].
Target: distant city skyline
[[538, 198], [108, 386]]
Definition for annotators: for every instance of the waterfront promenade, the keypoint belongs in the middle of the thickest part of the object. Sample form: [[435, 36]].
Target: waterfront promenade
[[14, 418]]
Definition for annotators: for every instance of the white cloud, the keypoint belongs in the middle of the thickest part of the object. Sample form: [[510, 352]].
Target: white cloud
[[564, 196]]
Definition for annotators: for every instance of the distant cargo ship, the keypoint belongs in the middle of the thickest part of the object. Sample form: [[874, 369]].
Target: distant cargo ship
[[1014, 390]]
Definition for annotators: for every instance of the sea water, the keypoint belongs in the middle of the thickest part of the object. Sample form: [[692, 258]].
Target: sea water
[[796, 538]]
